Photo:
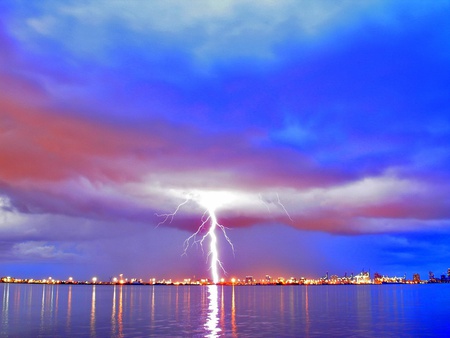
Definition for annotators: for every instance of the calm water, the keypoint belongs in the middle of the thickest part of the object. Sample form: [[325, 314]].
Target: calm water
[[212, 311]]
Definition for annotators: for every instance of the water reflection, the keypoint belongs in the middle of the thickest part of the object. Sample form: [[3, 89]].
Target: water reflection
[[93, 312], [15, 302], [116, 312], [30, 298], [176, 303], [120, 316], [187, 302], [213, 311], [5, 310], [153, 304], [297, 311], [222, 310], [69, 307], [308, 323], [42, 308], [113, 312], [233, 313]]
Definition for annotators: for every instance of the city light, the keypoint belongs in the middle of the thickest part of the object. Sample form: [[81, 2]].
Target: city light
[[362, 278]]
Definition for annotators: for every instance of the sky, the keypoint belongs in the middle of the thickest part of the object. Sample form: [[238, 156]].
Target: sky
[[319, 129]]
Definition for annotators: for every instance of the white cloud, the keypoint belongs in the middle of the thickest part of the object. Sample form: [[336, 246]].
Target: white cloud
[[5, 210], [204, 28], [38, 250], [4, 202], [368, 191]]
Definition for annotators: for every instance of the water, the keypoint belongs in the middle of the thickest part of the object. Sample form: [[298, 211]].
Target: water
[[224, 311]]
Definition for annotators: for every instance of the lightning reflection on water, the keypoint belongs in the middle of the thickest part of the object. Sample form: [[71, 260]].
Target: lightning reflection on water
[[212, 322]]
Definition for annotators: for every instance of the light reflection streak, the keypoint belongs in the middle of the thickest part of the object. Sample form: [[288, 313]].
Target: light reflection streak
[[5, 310], [93, 312], [30, 297], [42, 309], [16, 302], [120, 315], [113, 313], [204, 302], [282, 303], [233, 314], [153, 305], [222, 311], [213, 311], [187, 301], [292, 301], [51, 301], [69, 307]]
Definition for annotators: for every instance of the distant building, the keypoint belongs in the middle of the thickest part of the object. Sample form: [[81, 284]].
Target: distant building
[[249, 280], [431, 278], [377, 278], [363, 278], [416, 278], [292, 280], [280, 280]]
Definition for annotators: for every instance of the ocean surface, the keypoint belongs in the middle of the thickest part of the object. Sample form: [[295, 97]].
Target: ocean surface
[[225, 311]]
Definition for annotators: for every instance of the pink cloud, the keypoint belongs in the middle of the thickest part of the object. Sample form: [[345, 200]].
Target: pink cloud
[[48, 151]]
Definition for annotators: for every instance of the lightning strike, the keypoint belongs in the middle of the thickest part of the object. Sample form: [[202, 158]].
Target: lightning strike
[[282, 206], [208, 218], [171, 215], [213, 248]]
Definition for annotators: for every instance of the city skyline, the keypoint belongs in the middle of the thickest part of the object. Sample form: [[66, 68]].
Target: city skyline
[[319, 131], [361, 278]]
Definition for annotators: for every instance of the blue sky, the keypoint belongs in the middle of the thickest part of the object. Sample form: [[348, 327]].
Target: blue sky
[[114, 112]]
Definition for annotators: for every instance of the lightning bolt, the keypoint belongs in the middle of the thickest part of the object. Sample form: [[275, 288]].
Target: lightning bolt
[[213, 248], [208, 218], [282, 206], [171, 215], [209, 225], [278, 202]]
